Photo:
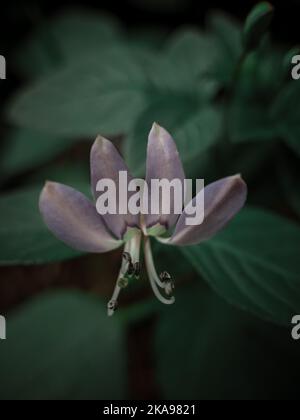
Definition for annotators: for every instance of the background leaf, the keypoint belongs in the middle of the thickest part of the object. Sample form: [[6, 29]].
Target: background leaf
[[96, 95], [226, 33], [26, 238], [206, 349], [257, 24], [68, 37], [194, 127], [70, 350], [192, 52], [289, 175], [254, 264], [285, 112], [26, 149]]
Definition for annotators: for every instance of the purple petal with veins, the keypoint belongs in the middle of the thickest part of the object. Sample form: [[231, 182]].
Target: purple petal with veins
[[73, 219], [222, 200], [106, 163], [163, 162]]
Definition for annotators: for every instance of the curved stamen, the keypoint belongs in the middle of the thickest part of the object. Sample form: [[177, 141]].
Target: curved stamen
[[128, 269], [153, 277]]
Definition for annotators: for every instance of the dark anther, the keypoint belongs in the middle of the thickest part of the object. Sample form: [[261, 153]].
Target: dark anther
[[168, 282], [127, 257], [165, 276], [137, 269], [112, 305], [130, 269]]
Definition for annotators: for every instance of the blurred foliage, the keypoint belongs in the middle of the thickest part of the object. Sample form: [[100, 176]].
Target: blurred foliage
[[207, 349], [232, 108], [243, 265], [26, 238], [70, 350]]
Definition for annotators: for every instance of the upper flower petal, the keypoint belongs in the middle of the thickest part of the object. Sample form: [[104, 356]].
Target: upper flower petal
[[106, 163], [74, 220], [163, 162], [222, 200]]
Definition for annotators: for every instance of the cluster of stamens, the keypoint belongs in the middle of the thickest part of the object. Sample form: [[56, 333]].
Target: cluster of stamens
[[130, 270]]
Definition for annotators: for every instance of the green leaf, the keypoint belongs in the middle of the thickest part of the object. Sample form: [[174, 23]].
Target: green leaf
[[27, 240], [194, 126], [68, 37], [63, 346], [250, 121], [228, 32], [257, 24], [289, 177], [254, 264], [103, 94], [285, 112], [208, 350], [150, 37], [27, 149], [250, 116], [193, 54], [227, 39]]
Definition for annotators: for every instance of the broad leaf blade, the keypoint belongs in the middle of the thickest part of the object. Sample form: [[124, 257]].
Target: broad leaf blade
[[285, 112], [62, 346], [27, 149], [209, 350], [98, 95], [194, 126], [25, 238], [68, 37], [254, 264]]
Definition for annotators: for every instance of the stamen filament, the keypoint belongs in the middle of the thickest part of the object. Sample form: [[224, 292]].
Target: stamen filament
[[152, 274], [132, 248]]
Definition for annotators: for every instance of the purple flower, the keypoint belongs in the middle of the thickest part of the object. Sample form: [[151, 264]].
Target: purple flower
[[74, 219]]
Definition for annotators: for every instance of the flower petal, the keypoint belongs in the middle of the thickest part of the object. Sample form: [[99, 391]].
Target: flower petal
[[163, 162], [74, 220], [222, 200], [106, 163]]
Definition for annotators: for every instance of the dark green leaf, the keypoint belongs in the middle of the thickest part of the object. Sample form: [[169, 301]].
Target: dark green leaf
[[27, 149], [194, 126], [257, 24], [289, 174], [250, 121], [24, 237], [226, 35], [254, 264], [228, 32], [68, 37], [249, 114], [286, 114], [97, 95], [206, 349], [193, 54], [63, 346]]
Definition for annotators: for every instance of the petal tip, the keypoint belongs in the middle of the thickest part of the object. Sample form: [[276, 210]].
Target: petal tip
[[101, 144], [240, 180], [157, 132], [48, 188]]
